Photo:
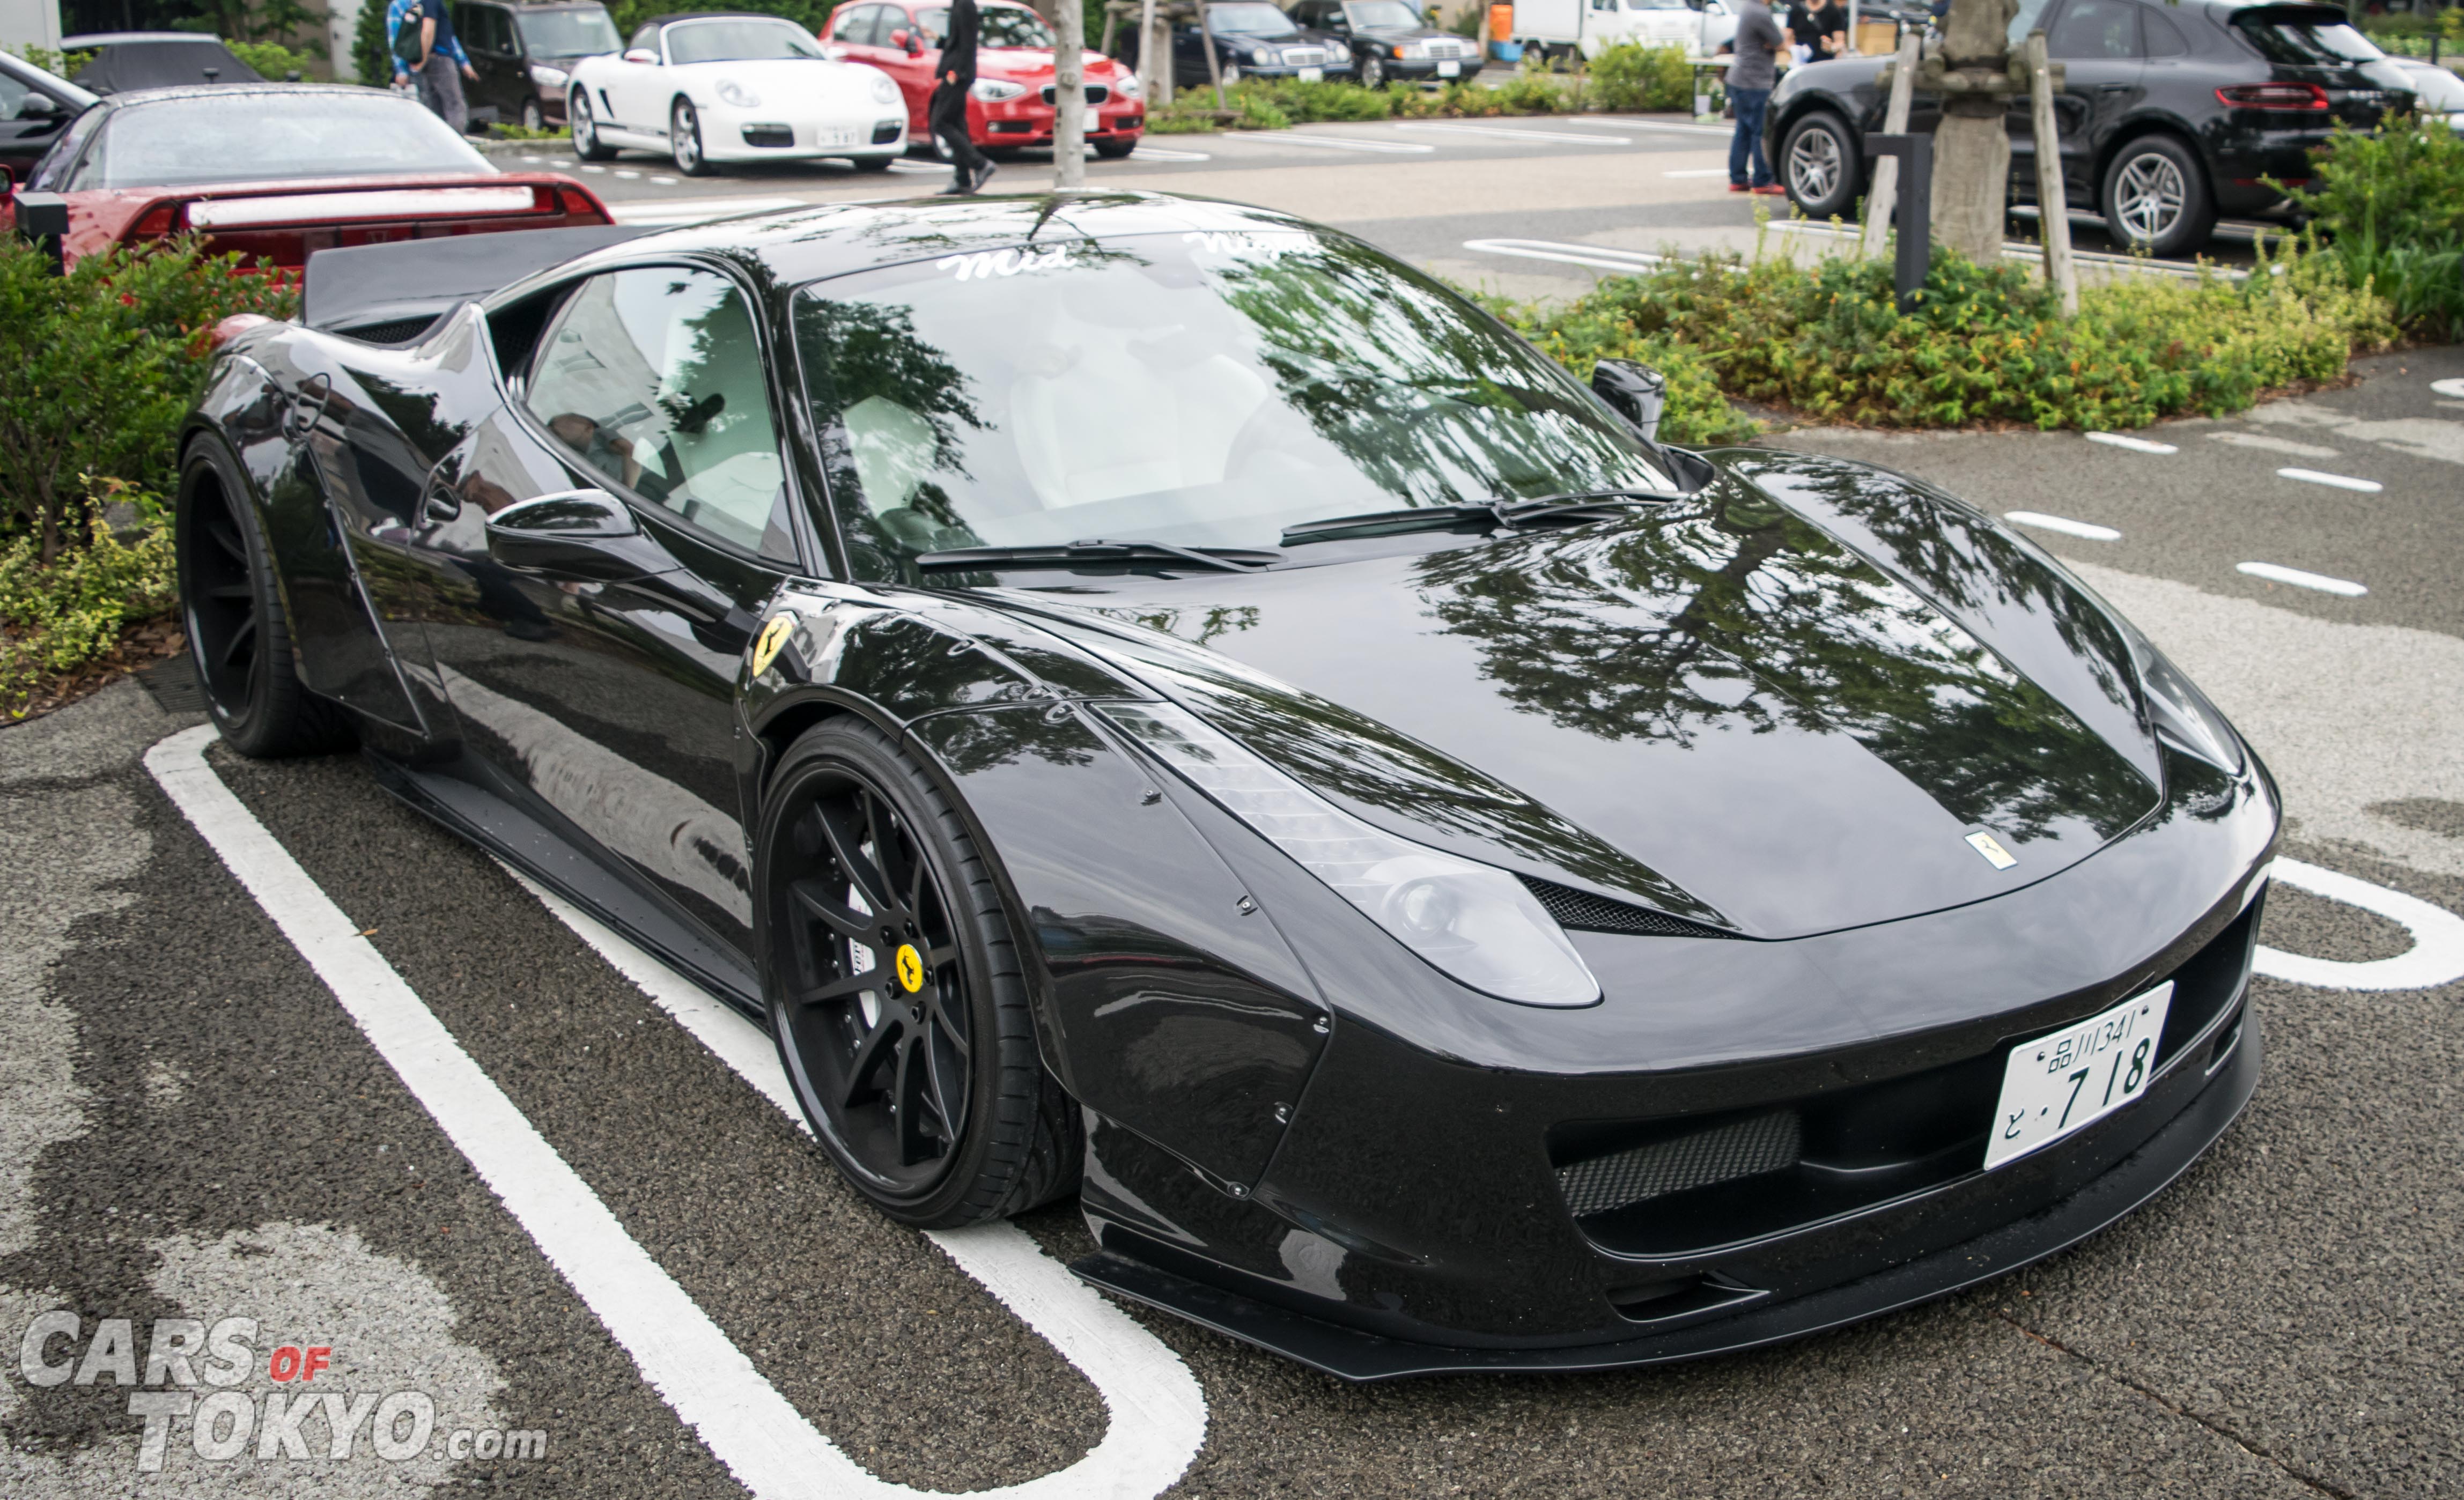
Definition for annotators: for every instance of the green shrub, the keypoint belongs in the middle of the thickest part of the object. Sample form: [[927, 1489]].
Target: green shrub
[[369, 55], [56, 618], [2391, 206], [1303, 103], [1628, 75], [1986, 344], [97, 368], [1531, 91], [276, 61]]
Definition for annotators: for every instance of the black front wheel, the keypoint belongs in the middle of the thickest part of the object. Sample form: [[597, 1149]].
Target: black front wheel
[[895, 990], [239, 634]]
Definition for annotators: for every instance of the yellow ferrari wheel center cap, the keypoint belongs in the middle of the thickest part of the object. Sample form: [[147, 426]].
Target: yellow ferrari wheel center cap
[[910, 967]]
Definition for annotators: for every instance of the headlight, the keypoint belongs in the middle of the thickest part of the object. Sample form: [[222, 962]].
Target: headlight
[[2181, 714], [1127, 86], [884, 90], [1411, 50], [1263, 56], [738, 95], [994, 90], [548, 77], [1473, 921]]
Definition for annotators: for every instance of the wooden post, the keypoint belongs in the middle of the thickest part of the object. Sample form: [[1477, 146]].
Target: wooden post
[[1214, 64], [1146, 55], [2052, 207], [1885, 190]]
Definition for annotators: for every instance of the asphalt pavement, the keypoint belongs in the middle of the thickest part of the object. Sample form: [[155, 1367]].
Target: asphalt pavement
[[206, 1114]]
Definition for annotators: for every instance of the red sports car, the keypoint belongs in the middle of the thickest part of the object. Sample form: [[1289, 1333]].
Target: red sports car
[[280, 170], [1011, 107]]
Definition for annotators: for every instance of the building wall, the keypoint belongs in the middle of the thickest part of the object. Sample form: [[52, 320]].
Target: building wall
[[341, 25], [30, 23]]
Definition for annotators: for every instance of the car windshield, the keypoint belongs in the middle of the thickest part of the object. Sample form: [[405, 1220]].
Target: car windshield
[[998, 26], [566, 33], [1247, 20], [1202, 389], [1380, 16], [740, 41], [259, 135], [2294, 39]]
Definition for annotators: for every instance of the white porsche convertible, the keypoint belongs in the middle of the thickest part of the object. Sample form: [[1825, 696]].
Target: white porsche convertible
[[721, 86]]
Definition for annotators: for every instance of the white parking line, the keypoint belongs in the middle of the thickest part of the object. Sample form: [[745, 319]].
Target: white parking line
[[1617, 123], [2449, 388], [2336, 481], [665, 181], [1511, 133], [1699, 171], [2137, 445], [1598, 255], [2273, 445], [2300, 580], [1160, 153], [2063, 524], [534, 160], [622, 172], [1339, 143], [932, 168], [1157, 1412], [2436, 956], [589, 167], [668, 213]]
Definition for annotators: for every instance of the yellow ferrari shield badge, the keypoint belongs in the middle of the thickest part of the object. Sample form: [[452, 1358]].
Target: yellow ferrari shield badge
[[910, 967], [774, 635], [1995, 855]]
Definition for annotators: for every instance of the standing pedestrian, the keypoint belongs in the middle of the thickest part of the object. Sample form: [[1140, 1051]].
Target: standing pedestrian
[[426, 53], [1750, 79], [947, 116]]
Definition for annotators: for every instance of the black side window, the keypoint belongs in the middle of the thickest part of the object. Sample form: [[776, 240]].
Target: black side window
[[647, 39], [51, 174], [2096, 30], [2164, 39]]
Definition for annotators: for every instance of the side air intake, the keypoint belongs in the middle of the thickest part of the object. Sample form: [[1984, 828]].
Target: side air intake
[[1584, 911], [1764, 1143]]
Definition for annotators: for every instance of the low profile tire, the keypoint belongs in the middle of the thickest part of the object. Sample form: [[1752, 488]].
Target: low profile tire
[[1114, 150], [533, 118], [1373, 73], [684, 139], [239, 634], [1817, 165], [585, 128], [895, 990], [2156, 198]]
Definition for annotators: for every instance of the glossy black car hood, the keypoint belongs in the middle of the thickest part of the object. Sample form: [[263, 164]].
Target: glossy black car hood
[[1781, 706]]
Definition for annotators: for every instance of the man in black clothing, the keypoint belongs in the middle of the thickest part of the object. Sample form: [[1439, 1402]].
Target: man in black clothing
[[947, 116]]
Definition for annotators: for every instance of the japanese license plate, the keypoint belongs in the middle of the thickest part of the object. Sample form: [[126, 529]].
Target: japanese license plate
[[836, 135], [1312, 74], [1450, 69], [2074, 1077]]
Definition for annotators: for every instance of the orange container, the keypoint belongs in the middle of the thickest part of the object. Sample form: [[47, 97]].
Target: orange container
[[1501, 23]]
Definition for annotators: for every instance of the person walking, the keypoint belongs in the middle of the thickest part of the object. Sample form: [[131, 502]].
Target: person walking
[[427, 52], [1751, 76], [947, 116]]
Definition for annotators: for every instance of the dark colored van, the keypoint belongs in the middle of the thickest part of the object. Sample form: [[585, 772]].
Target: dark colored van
[[524, 55]]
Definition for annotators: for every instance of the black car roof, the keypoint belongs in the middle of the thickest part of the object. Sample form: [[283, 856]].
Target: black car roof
[[87, 40], [237, 91], [793, 245]]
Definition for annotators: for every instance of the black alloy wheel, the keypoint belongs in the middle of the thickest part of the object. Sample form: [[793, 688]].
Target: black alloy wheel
[[1817, 165], [1372, 71], [2155, 198], [895, 992], [239, 636], [583, 126]]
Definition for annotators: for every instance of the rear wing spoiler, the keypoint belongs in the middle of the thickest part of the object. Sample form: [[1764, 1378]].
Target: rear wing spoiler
[[389, 294]]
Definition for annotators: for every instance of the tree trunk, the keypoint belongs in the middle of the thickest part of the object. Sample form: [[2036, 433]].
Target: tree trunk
[[1069, 95], [1972, 170]]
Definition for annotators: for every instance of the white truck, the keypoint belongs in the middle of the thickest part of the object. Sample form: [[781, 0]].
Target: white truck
[[1561, 27]]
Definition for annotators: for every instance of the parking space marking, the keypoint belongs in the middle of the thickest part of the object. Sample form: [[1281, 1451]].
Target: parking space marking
[[934, 168], [1511, 133], [2275, 574], [1157, 1422], [668, 213], [1601, 256], [1615, 123], [2333, 480], [2063, 524], [2273, 445], [2137, 445], [1342, 143], [2448, 387], [1158, 153], [1699, 171], [2436, 956]]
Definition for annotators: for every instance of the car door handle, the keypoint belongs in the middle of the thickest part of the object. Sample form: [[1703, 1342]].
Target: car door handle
[[2111, 88], [443, 507]]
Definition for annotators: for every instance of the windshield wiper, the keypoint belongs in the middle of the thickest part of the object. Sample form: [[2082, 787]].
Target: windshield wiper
[[1509, 514], [1066, 554]]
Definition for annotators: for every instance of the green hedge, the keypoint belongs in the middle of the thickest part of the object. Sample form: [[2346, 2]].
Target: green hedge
[[1625, 77], [2389, 205]]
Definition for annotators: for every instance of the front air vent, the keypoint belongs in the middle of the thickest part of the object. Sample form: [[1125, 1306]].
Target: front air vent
[[1584, 911], [1722, 1154], [397, 330]]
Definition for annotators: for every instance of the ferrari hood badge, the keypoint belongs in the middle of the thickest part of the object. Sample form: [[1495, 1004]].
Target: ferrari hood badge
[[1995, 855], [774, 635]]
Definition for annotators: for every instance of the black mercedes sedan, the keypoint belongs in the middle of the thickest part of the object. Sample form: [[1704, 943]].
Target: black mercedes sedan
[[1390, 41], [1255, 39], [2172, 112], [1160, 702]]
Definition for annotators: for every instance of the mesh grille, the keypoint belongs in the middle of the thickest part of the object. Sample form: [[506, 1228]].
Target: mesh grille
[[1764, 1143], [1597, 914], [399, 330]]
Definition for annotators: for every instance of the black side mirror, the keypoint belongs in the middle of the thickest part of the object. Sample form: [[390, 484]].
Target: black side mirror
[[1638, 391]]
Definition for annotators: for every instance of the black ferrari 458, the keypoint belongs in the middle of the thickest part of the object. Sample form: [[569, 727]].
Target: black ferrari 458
[[1156, 700]]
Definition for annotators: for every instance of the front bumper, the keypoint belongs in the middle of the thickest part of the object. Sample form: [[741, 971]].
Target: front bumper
[[1018, 125], [770, 134]]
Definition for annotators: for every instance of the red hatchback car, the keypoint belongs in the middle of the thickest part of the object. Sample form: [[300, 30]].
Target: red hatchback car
[[278, 171], [1011, 107]]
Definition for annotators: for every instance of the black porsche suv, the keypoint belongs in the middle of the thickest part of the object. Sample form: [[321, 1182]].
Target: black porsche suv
[[2172, 112], [1389, 42]]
